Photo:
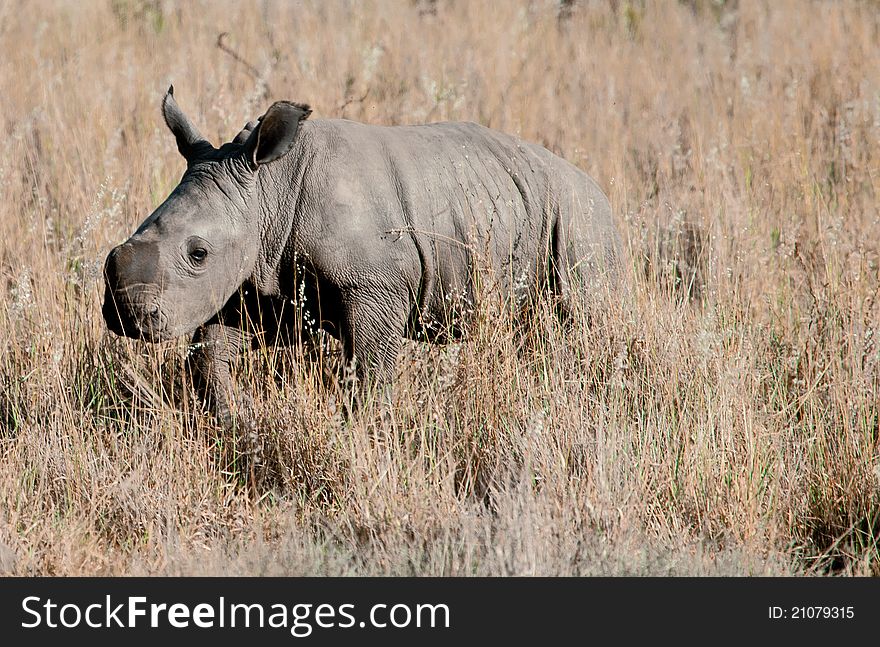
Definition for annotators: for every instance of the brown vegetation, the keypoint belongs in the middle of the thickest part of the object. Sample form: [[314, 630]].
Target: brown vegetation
[[722, 418]]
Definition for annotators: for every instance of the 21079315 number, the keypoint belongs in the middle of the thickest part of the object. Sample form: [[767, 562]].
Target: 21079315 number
[[811, 613]]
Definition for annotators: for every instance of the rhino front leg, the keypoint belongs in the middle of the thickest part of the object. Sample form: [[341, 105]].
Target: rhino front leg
[[215, 347], [372, 332]]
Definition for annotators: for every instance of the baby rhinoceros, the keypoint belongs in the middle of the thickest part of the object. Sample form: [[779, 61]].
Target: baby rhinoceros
[[378, 231]]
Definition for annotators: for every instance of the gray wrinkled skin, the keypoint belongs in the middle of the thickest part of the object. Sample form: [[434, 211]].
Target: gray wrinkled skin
[[371, 233]]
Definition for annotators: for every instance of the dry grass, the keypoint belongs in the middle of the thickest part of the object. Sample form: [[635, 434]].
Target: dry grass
[[721, 418]]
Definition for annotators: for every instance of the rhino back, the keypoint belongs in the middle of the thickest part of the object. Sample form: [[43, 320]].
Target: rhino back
[[427, 208]]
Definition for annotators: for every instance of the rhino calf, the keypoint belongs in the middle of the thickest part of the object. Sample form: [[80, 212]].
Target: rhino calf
[[371, 233]]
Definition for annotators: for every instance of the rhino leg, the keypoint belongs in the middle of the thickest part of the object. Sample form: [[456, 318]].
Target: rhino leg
[[372, 332], [215, 346]]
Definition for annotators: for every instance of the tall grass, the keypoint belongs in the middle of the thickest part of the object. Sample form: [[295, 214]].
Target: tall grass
[[720, 417]]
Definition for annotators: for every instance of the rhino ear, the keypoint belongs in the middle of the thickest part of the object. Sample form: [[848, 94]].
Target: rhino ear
[[274, 135], [190, 142]]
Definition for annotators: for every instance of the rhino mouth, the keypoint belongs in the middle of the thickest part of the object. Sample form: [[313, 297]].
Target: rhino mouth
[[136, 318], [132, 293]]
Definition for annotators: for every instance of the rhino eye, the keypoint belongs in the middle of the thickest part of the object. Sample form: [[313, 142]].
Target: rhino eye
[[198, 254]]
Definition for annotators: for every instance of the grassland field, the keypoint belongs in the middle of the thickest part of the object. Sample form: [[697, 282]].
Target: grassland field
[[720, 418]]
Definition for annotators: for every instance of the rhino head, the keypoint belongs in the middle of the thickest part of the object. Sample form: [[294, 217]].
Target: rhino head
[[196, 249]]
